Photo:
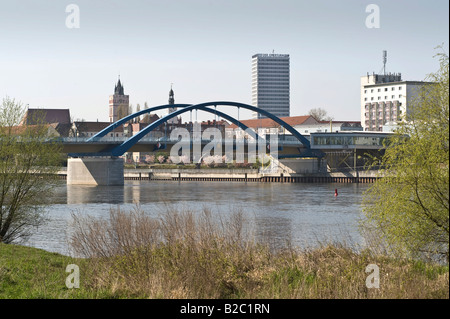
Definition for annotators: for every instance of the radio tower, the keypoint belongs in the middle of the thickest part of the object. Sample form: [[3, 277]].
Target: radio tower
[[384, 61]]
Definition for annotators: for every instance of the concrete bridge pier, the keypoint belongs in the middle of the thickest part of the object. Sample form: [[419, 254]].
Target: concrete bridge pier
[[95, 171]]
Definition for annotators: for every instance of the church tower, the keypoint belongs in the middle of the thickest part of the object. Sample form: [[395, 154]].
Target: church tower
[[118, 103], [173, 120]]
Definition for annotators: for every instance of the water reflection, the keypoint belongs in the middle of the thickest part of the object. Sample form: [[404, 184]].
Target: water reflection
[[78, 194]]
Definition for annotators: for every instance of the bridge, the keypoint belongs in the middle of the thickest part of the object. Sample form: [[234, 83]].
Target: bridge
[[97, 160], [349, 151], [84, 147]]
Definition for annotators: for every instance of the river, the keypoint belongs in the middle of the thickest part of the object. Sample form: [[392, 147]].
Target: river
[[302, 214]]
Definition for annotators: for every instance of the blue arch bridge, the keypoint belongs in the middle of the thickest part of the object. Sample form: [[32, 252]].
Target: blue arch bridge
[[96, 160]]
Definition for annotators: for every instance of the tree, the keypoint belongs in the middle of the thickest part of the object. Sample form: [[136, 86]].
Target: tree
[[409, 206], [146, 117], [138, 108], [320, 114], [28, 163]]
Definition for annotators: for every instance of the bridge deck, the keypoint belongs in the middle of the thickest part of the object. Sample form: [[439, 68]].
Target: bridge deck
[[83, 147]]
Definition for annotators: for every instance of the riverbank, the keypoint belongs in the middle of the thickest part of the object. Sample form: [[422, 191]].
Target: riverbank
[[185, 255], [243, 175], [329, 272]]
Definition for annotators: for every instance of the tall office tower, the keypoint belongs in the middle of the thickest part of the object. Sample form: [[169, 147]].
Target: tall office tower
[[270, 84], [119, 103]]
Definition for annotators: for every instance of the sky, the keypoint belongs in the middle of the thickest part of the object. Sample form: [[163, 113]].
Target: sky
[[204, 47]]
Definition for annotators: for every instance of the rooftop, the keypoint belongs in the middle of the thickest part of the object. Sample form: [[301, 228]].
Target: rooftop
[[46, 116], [397, 83], [270, 55], [95, 126], [266, 122]]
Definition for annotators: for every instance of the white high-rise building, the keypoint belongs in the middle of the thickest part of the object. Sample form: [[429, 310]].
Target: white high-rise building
[[385, 99], [270, 84]]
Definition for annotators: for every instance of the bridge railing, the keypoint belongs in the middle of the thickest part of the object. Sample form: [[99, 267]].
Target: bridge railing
[[119, 139]]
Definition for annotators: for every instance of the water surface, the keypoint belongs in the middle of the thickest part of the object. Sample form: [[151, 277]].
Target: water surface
[[303, 214]]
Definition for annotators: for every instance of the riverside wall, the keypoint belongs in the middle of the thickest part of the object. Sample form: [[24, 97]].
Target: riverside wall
[[245, 175]]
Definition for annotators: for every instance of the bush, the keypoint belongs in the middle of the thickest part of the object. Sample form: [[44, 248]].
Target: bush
[[161, 159], [186, 254]]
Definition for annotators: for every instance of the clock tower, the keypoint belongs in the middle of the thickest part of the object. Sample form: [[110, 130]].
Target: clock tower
[[118, 103], [173, 120]]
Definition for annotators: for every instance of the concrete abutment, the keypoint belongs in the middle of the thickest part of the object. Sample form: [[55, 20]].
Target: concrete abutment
[[107, 171]]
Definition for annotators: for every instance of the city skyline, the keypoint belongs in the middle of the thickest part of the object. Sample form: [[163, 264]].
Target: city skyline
[[205, 47]]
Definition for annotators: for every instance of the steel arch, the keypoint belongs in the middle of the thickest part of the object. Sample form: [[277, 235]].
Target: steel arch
[[122, 121], [111, 127], [122, 148]]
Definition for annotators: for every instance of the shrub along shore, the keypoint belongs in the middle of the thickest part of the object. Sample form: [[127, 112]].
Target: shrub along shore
[[186, 255]]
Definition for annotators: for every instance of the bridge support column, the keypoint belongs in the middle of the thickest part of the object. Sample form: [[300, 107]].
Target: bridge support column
[[95, 171]]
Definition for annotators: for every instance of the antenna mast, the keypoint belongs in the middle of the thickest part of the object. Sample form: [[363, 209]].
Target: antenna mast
[[384, 61]]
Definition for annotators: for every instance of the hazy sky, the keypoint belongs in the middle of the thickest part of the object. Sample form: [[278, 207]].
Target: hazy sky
[[204, 47]]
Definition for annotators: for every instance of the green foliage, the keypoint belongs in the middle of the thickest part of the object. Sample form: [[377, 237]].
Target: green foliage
[[409, 207], [28, 162], [289, 279], [27, 272], [430, 271], [185, 255], [182, 271]]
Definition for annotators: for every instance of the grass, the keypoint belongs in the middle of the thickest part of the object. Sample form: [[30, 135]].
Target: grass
[[31, 273], [27, 272], [191, 255]]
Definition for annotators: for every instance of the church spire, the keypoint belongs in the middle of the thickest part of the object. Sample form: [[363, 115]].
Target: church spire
[[118, 90], [171, 96]]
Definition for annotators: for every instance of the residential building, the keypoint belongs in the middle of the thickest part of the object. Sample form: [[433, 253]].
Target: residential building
[[266, 125], [270, 84], [131, 129], [46, 116], [49, 130], [221, 125], [305, 125], [328, 126], [89, 129], [57, 119], [386, 99]]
